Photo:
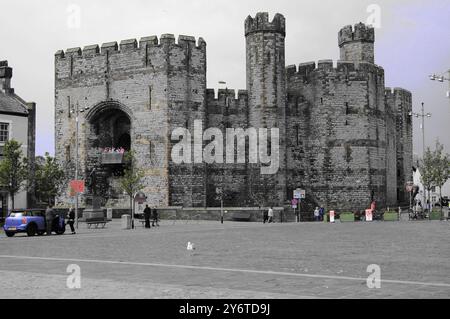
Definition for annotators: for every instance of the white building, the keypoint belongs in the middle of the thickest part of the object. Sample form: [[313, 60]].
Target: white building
[[434, 191], [18, 122]]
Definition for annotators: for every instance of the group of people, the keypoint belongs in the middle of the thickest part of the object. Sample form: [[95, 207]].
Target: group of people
[[150, 214], [268, 216], [50, 217], [319, 214]]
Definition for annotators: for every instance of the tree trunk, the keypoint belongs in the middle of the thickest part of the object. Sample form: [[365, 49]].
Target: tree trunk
[[11, 194], [440, 201]]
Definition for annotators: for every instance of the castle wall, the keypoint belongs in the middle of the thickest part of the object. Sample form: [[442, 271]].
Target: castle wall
[[133, 78], [227, 112], [266, 85], [339, 117], [391, 150], [401, 102]]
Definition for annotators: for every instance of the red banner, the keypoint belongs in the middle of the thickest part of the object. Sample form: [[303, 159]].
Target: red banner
[[76, 187]]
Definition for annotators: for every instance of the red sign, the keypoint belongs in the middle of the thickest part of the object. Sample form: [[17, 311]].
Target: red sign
[[369, 215], [76, 187], [332, 216]]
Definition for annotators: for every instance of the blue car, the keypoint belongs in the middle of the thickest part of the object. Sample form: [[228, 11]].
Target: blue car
[[32, 222]]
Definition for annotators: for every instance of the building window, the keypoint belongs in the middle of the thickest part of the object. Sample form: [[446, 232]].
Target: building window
[[4, 132]]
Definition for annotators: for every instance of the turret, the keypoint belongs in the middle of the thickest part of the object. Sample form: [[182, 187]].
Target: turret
[[357, 43], [5, 77]]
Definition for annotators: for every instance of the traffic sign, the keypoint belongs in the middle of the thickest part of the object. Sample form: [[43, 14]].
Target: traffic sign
[[299, 194]]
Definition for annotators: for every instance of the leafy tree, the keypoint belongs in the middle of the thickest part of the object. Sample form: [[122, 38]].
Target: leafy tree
[[427, 172], [13, 169], [48, 179], [131, 183], [441, 171], [435, 169]]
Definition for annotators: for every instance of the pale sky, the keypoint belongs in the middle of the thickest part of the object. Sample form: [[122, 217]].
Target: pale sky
[[413, 41]]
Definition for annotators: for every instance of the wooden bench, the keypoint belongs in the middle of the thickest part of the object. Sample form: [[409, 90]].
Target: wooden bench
[[97, 222], [241, 216]]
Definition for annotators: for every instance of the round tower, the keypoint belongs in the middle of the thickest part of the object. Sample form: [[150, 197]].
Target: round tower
[[266, 85], [357, 43]]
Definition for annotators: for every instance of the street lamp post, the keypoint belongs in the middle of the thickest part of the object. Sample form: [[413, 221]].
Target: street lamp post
[[423, 115], [442, 79], [77, 120]]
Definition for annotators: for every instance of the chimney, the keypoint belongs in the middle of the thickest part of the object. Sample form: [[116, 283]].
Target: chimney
[[5, 77]]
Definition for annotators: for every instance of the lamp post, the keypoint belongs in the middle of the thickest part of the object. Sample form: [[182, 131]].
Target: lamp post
[[442, 79], [423, 115], [77, 112]]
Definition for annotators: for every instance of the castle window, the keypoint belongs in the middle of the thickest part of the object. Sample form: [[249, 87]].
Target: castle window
[[68, 155], [347, 108], [297, 130], [69, 113], [321, 100], [4, 132], [149, 97]]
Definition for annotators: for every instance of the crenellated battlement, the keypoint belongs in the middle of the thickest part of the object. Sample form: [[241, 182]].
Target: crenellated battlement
[[309, 68], [359, 33], [222, 94], [131, 45], [261, 23]]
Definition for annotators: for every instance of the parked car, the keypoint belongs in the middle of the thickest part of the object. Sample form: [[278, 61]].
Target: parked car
[[32, 222]]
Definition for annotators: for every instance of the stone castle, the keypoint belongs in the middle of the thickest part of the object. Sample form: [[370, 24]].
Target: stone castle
[[344, 137]]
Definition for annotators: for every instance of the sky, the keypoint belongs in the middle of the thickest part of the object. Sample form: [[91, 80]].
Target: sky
[[412, 42]]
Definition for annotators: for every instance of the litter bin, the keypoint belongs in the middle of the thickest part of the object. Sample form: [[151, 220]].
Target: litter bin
[[126, 222]]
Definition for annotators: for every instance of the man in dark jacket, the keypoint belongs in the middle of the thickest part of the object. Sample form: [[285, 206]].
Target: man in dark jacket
[[147, 216], [71, 220], [155, 217], [49, 219]]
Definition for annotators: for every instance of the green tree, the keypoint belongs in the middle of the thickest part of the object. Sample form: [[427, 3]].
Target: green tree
[[131, 183], [435, 169], [48, 179], [441, 170], [13, 169]]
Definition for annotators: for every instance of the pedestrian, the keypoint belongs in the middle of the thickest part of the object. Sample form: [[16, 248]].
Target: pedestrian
[[270, 215], [49, 219], [147, 215], [316, 214], [71, 220], [265, 216], [155, 217], [321, 213]]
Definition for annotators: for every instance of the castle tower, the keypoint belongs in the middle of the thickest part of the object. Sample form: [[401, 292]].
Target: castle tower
[[357, 43], [266, 85]]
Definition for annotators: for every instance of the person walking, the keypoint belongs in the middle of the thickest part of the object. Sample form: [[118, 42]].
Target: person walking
[[316, 214], [270, 215], [321, 213], [71, 220], [147, 216], [265, 216], [49, 219], [155, 217]]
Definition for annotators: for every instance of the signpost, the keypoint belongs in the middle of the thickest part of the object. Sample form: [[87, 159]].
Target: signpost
[[332, 216], [139, 198], [299, 194], [76, 187], [369, 215], [294, 203], [409, 189]]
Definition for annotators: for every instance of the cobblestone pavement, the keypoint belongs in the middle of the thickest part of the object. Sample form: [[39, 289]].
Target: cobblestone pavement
[[234, 260]]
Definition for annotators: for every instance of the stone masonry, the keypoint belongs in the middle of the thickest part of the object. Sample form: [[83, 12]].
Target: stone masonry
[[344, 137]]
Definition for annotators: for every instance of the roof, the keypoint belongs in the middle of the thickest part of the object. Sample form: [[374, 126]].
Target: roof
[[12, 104]]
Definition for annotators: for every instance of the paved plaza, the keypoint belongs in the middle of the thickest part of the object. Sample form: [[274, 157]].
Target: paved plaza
[[234, 260]]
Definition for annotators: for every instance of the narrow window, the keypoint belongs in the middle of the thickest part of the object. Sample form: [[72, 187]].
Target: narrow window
[[149, 97], [297, 134], [69, 111], [68, 155], [347, 109], [4, 132]]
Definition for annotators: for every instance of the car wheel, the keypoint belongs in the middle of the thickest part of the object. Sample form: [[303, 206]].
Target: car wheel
[[60, 232], [31, 230], [41, 233], [9, 234]]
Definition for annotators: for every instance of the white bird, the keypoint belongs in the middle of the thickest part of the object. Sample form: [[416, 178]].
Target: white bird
[[190, 246]]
